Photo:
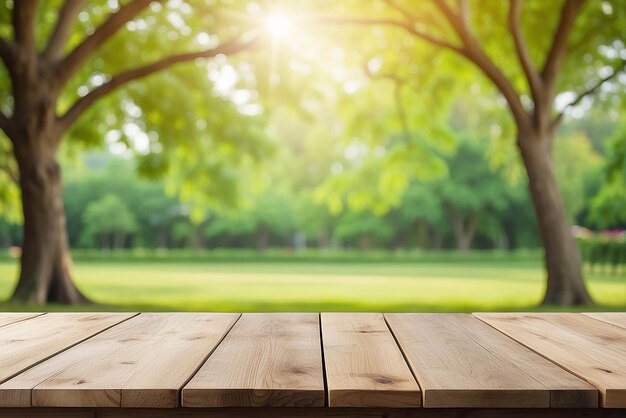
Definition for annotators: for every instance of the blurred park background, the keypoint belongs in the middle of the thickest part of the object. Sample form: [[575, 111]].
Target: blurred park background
[[313, 156]]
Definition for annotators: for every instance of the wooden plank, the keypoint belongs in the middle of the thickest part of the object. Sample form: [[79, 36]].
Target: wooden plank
[[265, 360], [461, 362], [364, 366], [615, 318], [11, 317], [26, 343], [591, 349], [141, 363]]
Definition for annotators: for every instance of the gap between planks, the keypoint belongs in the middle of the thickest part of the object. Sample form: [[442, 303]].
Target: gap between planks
[[614, 318], [324, 375], [11, 318]]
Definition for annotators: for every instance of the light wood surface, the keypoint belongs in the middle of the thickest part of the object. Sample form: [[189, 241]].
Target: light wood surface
[[304, 365], [591, 349], [142, 362], [265, 360], [9, 318], [364, 366], [461, 362], [26, 343], [615, 318]]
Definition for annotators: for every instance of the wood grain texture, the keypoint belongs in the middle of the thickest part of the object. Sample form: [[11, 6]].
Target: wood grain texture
[[10, 318], [142, 362], [460, 362], [364, 366], [591, 349], [26, 343], [265, 360], [615, 318]]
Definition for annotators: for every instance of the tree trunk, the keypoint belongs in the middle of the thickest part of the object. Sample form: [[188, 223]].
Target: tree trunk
[[104, 241], [398, 242], [437, 240], [196, 238], [464, 230], [46, 262], [502, 242], [323, 239], [565, 284], [262, 238], [162, 237], [120, 239], [366, 242], [422, 235]]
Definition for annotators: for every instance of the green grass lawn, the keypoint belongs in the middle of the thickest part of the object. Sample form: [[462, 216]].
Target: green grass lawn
[[317, 286]]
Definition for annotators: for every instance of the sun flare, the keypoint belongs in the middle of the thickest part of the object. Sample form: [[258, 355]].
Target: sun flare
[[278, 25]]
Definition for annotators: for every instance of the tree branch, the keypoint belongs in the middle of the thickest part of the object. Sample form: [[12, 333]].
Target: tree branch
[[558, 49], [589, 91], [401, 9], [532, 75], [398, 84], [473, 52], [70, 64], [470, 50], [465, 13], [62, 29], [24, 17], [452, 18], [412, 19], [82, 104], [407, 26]]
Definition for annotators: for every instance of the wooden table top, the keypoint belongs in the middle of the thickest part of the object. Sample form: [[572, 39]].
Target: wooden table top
[[309, 360]]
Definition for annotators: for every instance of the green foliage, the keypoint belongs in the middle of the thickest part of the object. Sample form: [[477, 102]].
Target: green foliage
[[601, 252], [577, 166], [10, 209], [473, 186], [99, 175], [339, 130], [608, 208], [471, 192], [366, 228], [197, 125], [107, 217], [212, 153], [269, 211], [430, 77]]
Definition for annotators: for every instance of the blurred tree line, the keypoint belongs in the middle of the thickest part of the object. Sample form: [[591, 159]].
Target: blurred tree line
[[471, 205]]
